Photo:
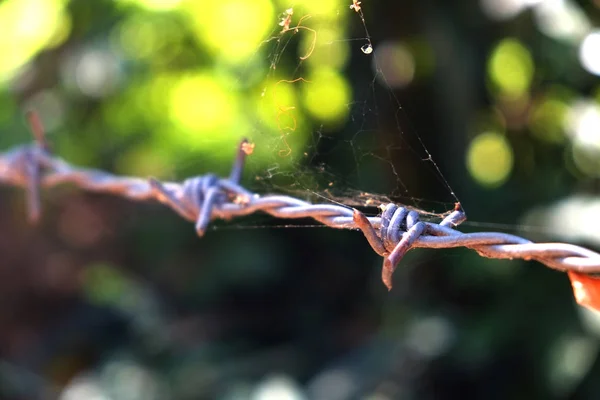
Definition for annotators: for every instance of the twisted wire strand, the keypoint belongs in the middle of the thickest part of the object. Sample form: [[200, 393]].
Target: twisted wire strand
[[206, 198]]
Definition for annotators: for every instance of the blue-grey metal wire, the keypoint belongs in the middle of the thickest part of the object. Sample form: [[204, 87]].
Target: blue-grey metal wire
[[206, 198]]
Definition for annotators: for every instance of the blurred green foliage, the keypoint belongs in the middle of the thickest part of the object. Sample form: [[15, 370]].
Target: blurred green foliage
[[112, 300]]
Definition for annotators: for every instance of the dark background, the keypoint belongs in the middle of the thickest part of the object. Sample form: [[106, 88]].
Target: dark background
[[110, 299]]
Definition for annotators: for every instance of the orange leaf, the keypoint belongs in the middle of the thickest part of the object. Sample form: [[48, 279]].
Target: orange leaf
[[586, 290]]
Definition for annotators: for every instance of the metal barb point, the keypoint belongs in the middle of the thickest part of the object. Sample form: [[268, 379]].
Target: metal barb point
[[399, 229]]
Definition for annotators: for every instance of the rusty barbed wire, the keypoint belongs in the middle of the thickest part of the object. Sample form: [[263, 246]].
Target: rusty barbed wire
[[206, 198]]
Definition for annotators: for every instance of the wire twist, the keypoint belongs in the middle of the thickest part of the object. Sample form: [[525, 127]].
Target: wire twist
[[206, 198]]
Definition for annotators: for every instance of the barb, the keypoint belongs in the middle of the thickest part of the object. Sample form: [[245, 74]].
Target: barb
[[207, 198]]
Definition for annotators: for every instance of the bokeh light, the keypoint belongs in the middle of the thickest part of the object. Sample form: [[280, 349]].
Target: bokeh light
[[326, 96], [589, 53], [511, 68], [130, 304], [277, 388], [490, 159], [232, 29], [153, 158], [573, 219], [154, 5], [278, 104], [285, 128], [84, 387], [51, 106], [571, 359], [582, 124], [334, 383], [395, 63], [126, 378], [97, 72], [586, 159], [322, 8], [505, 9], [547, 118], [430, 337], [27, 27], [153, 39], [561, 19], [204, 110], [330, 48], [104, 284]]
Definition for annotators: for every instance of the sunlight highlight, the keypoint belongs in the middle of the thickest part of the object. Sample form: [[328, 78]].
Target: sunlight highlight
[[28, 26], [589, 53], [231, 28]]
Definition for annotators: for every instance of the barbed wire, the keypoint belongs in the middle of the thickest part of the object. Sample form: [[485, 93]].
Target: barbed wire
[[207, 198]]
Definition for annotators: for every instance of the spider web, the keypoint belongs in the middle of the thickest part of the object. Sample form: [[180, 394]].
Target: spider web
[[368, 157]]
